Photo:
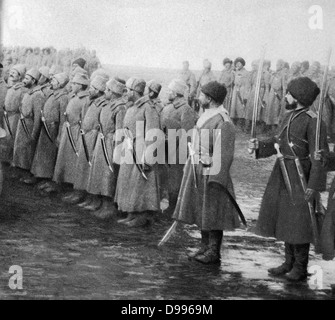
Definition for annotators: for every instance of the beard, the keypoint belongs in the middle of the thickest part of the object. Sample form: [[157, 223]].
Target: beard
[[205, 106], [292, 106], [28, 84]]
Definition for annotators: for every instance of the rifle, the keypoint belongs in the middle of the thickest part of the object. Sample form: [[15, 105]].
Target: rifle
[[320, 108]]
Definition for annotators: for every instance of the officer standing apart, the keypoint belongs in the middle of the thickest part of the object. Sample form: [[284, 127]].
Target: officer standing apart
[[284, 212]]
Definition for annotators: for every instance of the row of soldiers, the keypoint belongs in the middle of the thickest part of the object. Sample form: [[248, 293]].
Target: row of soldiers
[[63, 131], [60, 60], [241, 85]]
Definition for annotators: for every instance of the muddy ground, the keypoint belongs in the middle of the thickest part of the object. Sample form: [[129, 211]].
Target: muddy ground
[[66, 253]]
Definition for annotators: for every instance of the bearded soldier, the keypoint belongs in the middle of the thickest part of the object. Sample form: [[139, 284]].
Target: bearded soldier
[[44, 81], [284, 212], [137, 191], [68, 147], [276, 97], [240, 93], [189, 78], [52, 117], [179, 116], [29, 125], [227, 79], [203, 198], [14, 96], [105, 164], [89, 134]]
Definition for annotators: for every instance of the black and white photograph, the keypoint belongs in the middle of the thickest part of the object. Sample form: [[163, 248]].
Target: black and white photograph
[[167, 154]]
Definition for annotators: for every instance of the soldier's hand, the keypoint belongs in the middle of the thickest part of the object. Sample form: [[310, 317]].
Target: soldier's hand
[[319, 155], [253, 145], [310, 195]]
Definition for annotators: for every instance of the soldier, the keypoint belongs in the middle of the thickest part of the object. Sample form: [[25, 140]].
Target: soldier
[[89, 133], [44, 81], [13, 100], [3, 92], [263, 96], [294, 71], [52, 120], [179, 116], [276, 97], [206, 77], [189, 78], [227, 79], [80, 62], [154, 89], [240, 93], [203, 198], [105, 165], [137, 191], [68, 147], [284, 212], [47, 59], [29, 58], [304, 68], [29, 125], [37, 59]]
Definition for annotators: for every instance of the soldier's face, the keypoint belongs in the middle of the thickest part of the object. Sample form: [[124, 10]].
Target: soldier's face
[[28, 81], [42, 80], [130, 95], [227, 66], [76, 87], [171, 95], [239, 65], [204, 100], [54, 84], [108, 94], [14, 76], [291, 103]]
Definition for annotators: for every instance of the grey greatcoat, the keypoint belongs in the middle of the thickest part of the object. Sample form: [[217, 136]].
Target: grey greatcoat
[[66, 159], [46, 151]]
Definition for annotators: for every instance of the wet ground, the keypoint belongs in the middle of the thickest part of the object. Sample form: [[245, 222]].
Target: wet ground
[[66, 253]]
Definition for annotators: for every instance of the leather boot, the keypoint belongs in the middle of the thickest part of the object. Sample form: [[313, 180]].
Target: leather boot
[[107, 210], [78, 196], [95, 204], [299, 271], [130, 217], [212, 254], [141, 219], [287, 266], [203, 246], [85, 203]]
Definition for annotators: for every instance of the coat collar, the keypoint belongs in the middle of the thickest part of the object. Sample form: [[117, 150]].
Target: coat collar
[[82, 94], [179, 103], [140, 102]]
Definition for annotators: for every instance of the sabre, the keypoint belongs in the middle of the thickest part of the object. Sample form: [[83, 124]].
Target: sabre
[[7, 123], [320, 108], [82, 133], [46, 126], [24, 125], [284, 172], [104, 149]]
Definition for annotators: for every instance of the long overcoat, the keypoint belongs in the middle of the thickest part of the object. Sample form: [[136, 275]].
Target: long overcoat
[[207, 205], [240, 94], [133, 192], [26, 138], [46, 151], [102, 181], [67, 159], [279, 216]]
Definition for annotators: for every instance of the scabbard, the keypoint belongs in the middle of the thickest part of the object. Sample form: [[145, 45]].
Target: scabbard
[[24, 125], [7, 123], [104, 149], [286, 177], [69, 134], [46, 127], [82, 133]]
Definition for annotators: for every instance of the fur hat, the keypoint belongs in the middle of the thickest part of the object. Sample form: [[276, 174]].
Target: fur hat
[[137, 85], [99, 83], [215, 90], [116, 86], [45, 71], [239, 59], [20, 68], [304, 90], [34, 73], [227, 60], [80, 62], [154, 86], [178, 86], [81, 78]]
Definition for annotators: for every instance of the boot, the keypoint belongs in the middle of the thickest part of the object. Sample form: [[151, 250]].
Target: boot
[[203, 246], [43, 185], [77, 196], [299, 271], [85, 203], [129, 218], [140, 220], [107, 210], [287, 266], [212, 255], [95, 204]]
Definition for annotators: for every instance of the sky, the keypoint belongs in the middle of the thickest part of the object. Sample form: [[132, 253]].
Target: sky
[[163, 33]]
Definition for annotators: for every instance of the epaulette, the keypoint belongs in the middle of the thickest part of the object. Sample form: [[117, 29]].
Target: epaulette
[[225, 115], [311, 113], [72, 95], [117, 103], [102, 103], [17, 86]]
